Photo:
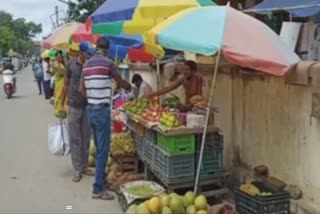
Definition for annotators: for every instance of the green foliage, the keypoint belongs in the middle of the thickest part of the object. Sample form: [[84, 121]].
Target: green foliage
[[80, 10], [17, 34]]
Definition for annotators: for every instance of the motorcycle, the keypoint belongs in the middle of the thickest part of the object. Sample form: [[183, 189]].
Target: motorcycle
[[9, 83]]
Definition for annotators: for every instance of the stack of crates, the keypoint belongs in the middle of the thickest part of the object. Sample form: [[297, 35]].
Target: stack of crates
[[138, 143], [149, 146], [174, 157], [212, 159]]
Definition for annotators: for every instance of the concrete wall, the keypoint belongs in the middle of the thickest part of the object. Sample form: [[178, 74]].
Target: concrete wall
[[269, 123], [266, 121]]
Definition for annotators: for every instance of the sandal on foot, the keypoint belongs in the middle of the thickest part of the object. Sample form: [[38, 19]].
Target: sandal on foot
[[76, 177], [105, 195], [88, 172]]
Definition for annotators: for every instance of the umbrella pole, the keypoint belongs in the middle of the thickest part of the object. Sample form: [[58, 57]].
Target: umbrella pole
[[116, 56], [158, 73], [207, 120]]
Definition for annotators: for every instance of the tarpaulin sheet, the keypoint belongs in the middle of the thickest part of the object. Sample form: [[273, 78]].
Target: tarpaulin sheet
[[308, 7]]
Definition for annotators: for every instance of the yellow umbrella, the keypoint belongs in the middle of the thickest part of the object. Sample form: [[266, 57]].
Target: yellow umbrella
[[59, 39], [45, 54], [136, 16]]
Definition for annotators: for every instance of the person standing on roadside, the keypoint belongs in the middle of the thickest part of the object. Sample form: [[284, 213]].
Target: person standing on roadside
[[59, 68], [46, 78], [38, 74], [96, 86], [77, 120]]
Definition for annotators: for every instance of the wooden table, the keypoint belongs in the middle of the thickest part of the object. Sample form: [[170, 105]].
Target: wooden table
[[175, 131]]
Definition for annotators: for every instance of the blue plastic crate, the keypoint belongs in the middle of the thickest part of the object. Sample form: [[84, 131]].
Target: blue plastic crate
[[139, 143], [174, 166], [148, 152], [151, 136]]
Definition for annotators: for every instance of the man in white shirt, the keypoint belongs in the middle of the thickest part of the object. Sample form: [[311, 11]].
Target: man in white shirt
[[46, 78], [144, 87]]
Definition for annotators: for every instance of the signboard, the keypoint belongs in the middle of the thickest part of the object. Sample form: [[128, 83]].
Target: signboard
[[290, 33]]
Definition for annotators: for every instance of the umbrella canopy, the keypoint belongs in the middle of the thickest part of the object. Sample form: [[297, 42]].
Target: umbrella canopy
[[243, 40], [131, 46], [82, 33], [45, 54], [136, 16], [51, 53], [59, 39]]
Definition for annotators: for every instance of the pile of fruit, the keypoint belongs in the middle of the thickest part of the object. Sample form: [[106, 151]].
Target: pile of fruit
[[153, 112], [122, 144], [117, 177], [171, 102], [172, 204], [252, 190], [169, 120], [199, 102], [136, 107], [141, 190], [92, 156]]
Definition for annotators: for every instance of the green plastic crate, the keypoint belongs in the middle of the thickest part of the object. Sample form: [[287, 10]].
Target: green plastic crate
[[212, 163], [177, 145]]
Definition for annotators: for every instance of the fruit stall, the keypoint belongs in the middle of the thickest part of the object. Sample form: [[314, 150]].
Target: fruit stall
[[153, 162], [167, 144]]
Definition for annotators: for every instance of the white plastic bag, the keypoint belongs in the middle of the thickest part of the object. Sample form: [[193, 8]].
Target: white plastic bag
[[58, 139]]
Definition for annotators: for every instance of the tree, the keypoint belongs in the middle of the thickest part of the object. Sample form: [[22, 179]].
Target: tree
[[80, 10], [17, 34], [7, 38]]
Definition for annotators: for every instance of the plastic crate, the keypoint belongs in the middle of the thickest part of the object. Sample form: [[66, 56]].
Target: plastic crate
[[170, 181], [148, 152], [277, 203], [139, 144], [212, 163], [150, 136], [213, 141], [174, 166], [177, 145]]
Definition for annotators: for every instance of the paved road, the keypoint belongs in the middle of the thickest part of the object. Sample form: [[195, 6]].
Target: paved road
[[31, 179]]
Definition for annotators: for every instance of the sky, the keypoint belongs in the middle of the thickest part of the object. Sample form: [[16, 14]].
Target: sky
[[38, 11]]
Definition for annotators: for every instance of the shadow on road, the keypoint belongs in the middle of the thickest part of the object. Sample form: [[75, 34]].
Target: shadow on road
[[17, 97]]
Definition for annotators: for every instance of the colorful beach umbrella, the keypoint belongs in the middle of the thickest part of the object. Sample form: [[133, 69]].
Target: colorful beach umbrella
[[82, 33], [242, 39], [45, 54], [129, 46], [59, 39], [136, 16]]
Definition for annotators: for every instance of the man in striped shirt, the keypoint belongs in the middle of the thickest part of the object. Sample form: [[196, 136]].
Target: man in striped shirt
[[96, 86]]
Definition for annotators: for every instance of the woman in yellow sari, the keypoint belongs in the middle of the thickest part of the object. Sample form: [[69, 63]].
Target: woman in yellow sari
[[58, 68]]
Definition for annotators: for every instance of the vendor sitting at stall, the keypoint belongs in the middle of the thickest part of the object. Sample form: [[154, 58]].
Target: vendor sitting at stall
[[143, 87], [191, 81]]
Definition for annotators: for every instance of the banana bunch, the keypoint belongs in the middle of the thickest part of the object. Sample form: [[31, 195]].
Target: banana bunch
[[250, 189], [122, 144]]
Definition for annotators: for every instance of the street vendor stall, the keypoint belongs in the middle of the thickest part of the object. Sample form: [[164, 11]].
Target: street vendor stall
[[158, 150]]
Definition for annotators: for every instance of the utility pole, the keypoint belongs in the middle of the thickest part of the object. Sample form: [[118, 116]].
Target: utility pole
[[57, 15]]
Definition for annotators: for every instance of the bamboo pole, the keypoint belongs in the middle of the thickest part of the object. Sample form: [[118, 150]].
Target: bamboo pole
[[206, 121]]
